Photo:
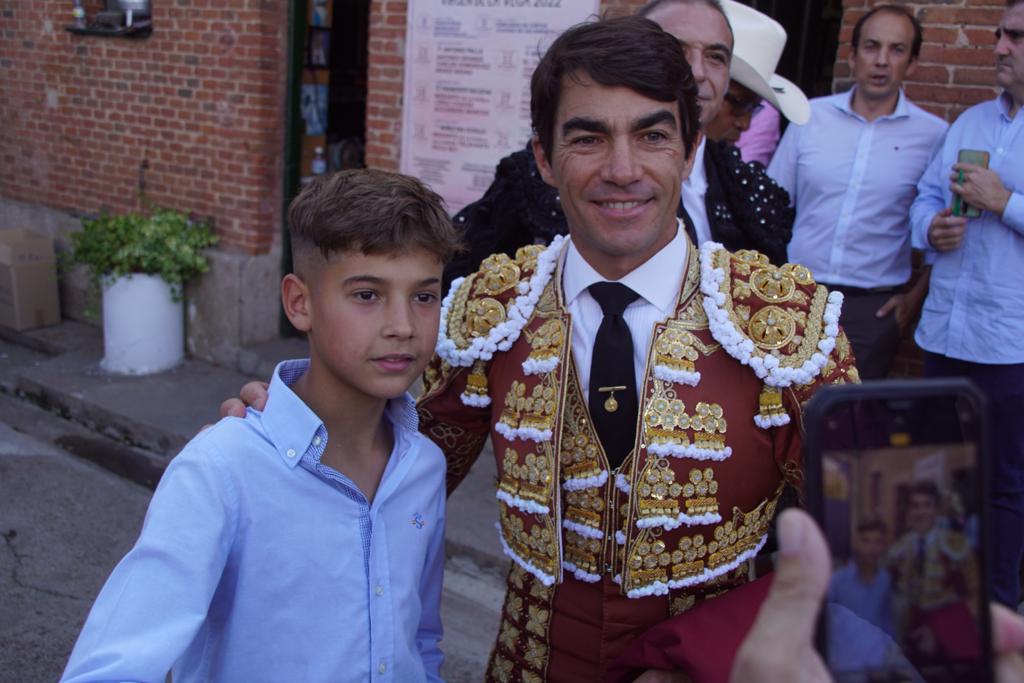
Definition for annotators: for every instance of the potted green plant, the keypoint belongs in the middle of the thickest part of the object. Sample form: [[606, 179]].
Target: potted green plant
[[140, 262]]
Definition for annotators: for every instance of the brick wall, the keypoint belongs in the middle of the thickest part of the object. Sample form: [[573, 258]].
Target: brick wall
[[956, 68], [200, 102], [386, 70]]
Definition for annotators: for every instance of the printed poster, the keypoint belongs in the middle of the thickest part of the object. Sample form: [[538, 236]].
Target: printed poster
[[467, 85]]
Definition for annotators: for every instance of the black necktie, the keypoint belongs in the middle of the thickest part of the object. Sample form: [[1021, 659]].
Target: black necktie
[[612, 396]]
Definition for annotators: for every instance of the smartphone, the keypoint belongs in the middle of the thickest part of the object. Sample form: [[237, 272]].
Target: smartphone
[[896, 473], [968, 156]]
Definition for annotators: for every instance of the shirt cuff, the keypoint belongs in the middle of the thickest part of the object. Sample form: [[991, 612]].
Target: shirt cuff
[[1013, 214]]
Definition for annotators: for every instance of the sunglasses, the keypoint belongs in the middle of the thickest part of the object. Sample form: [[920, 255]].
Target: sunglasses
[[741, 106]]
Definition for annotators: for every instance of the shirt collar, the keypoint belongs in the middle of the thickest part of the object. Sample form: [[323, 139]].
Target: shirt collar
[[698, 180], [647, 280], [1005, 104], [845, 105], [292, 426]]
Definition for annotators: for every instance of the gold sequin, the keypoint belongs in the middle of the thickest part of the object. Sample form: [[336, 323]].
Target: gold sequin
[[498, 274]]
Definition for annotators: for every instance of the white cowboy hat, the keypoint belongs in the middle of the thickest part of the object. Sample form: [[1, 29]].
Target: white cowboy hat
[[759, 41]]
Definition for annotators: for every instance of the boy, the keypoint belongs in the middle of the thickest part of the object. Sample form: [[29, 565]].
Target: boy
[[306, 542]]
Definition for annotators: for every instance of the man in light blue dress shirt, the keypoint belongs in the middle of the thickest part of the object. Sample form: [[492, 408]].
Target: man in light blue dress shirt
[[852, 173], [973, 319]]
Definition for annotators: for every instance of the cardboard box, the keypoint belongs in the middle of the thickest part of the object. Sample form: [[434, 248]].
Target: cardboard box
[[28, 280]]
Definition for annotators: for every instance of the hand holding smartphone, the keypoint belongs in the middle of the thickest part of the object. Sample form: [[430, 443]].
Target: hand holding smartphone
[[968, 156], [896, 477]]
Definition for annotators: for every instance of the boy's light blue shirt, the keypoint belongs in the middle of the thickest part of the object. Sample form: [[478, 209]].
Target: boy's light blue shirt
[[258, 563]]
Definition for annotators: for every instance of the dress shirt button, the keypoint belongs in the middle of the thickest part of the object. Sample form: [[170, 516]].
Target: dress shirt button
[[383, 668], [316, 440], [290, 453], [379, 590]]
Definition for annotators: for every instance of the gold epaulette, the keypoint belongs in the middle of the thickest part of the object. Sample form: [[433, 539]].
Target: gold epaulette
[[485, 312], [775, 319]]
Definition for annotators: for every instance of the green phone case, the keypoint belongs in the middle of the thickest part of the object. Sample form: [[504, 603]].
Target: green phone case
[[968, 156]]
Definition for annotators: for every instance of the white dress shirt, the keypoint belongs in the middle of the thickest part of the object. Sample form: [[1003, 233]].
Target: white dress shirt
[[852, 182], [657, 281], [693, 191]]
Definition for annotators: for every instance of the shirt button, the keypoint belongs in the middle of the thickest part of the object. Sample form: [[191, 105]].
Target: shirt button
[[316, 440], [383, 668], [290, 453], [379, 590]]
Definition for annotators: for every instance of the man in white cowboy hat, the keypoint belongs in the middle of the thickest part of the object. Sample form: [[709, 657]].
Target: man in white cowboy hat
[[852, 173], [755, 90]]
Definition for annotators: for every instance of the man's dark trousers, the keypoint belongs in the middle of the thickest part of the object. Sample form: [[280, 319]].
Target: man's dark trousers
[[1004, 387], [875, 340]]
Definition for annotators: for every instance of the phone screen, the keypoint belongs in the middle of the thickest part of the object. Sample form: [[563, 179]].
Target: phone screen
[[896, 478]]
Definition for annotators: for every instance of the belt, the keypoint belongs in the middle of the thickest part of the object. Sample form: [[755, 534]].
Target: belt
[[848, 290]]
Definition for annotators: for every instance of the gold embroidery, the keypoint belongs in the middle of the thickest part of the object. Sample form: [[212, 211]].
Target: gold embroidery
[[457, 313], [658, 490], [772, 327], [538, 545], [514, 607], [536, 410], [508, 636], [538, 621], [547, 341], [501, 669], [700, 492], [772, 336], [498, 273], [666, 421], [483, 315], [676, 348], [582, 551], [476, 383], [772, 285], [530, 479], [526, 256], [536, 654], [531, 677], [585, 507], [683, 603]]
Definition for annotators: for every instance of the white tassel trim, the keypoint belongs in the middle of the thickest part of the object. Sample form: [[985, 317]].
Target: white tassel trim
[[582, 529], [617, 579], [670, 523], [526, 565], [620, 538], [769, 421], [621, 483], [667, 374], [522, 433], [661, 588], [766, 366], [475, 400], [521, 503], [502, 336], [579, 573], [580, 483], [677, 450], [540, 366]]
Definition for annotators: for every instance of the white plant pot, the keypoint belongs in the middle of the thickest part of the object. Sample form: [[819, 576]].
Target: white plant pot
[[143, 327]]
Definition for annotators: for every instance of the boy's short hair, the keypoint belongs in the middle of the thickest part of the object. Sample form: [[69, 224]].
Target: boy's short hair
[[371, 211]]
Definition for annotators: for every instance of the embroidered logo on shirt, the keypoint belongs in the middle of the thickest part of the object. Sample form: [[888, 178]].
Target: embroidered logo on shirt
[[418, 521]]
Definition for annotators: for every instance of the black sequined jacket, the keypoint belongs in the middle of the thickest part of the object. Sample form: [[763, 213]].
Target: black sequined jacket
[[746, 209]]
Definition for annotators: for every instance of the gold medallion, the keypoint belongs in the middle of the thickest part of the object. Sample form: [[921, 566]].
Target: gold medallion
[[610, 404]]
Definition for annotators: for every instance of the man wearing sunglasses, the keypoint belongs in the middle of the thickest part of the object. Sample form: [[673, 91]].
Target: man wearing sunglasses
[[740, 105], [852, 174]]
